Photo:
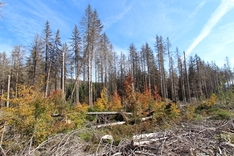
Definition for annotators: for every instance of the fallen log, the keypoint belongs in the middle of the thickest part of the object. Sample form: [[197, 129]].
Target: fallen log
[[147, 142], [120, 122], [110, 124], [146, 118], [107, 113], [148, 136]]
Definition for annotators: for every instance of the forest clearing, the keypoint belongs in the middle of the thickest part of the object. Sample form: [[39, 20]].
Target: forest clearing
[[34, 125], [81, 97]]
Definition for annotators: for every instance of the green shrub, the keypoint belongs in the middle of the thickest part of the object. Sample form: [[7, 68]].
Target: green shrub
[[86, 136], [198, 117], [223, 114]]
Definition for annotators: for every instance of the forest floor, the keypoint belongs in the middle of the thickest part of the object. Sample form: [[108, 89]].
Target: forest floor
[[208, 132], [206, 137]]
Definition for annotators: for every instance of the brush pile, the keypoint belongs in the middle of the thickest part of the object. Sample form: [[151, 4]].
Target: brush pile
[[208, 137], [203, 139]]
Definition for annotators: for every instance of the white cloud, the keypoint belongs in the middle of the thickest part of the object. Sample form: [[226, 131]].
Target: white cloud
[[117, 18], [195, 11], [223, 8], [191, 15], [26, 19], [218, 45]]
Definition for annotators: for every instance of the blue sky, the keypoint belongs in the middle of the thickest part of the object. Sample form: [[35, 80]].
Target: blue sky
[[203, 27]]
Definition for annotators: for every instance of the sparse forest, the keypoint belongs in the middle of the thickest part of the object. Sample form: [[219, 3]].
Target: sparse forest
[[46, 96]]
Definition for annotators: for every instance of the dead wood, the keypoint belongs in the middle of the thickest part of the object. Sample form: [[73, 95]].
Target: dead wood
[[109, 124], [209, 137], [146, 118]]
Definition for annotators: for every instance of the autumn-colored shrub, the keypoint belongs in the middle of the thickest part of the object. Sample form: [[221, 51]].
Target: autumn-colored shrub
[[156, 95], [76, 115], [33, 116], [145, 99], [115, 104], [21, 112], [159, 110], [211, 101], [24, 112], [102, 102], [174, 112], [164, 110], [129, 94], [189, 112]]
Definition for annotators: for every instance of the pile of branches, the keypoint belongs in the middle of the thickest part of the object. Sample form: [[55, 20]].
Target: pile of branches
[[203, 138], [60, 144], [209, 137]]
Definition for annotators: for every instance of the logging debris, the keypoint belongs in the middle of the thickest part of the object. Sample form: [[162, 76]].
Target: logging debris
[[208, 137], [197, 138]]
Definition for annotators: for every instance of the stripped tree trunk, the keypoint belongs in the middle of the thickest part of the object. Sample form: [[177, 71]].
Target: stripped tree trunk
[[8, 90]]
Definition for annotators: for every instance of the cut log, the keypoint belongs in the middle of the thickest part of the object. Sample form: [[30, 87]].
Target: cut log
[[107, 113], [147, 142], [147, 136], [120, 123], [110, 124], [146, 118]]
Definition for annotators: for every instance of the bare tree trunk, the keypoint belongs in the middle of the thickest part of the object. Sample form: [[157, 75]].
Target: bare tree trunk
[[181, 77], [182, 84], [187, 79], [172, 78], [160, 54], [77, 87], [90, 79], [8, 90], [170, 69], [63, 75], [47, 81], [16, 84], [55, 80], [199, 77]]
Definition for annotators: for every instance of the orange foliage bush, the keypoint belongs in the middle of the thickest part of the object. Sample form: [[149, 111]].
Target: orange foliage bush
[[156, 93], [143, 101], [130, 97], [106, 103], [146, 99], [115, 104]]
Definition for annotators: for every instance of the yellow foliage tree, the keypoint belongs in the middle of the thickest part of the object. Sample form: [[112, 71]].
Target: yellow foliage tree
[[77, 115], [189, 112], [211, 101], [32, 115], [21, 112], [159, 110], [102, 102], [174, 111]]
